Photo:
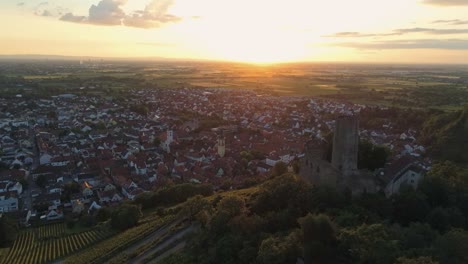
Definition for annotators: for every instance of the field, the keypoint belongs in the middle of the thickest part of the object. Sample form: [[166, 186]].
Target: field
[[50, 242], [419, 86]]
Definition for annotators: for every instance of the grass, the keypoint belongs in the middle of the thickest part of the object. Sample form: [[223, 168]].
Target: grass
[[4, 253]]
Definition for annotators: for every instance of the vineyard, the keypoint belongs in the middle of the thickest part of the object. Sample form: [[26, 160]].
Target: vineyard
[[47, 243], [104, 250]]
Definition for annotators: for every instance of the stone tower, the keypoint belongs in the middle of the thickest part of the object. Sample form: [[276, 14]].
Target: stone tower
[[345, 145], [221, 147]]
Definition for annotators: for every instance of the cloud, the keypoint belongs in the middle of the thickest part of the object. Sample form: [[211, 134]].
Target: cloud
[[445, 44], [453, 22], [353, 34], [152, 16], [107, 12], [157, 44], [72, 18], [110, 13], [46, 13], [398, 32], [432, 31], [20, 4], [447, 2]]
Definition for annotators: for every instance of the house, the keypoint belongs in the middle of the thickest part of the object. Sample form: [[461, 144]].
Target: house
[[109, 196], [54, 214], [46, 200], [8, 202], [16, 187], [403, 171], [77, 206], [89, 178]]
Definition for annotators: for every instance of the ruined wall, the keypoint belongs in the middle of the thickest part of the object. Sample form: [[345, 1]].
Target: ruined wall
[[315, 169]]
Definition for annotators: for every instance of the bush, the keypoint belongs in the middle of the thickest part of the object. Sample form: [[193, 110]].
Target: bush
[[125, 216]]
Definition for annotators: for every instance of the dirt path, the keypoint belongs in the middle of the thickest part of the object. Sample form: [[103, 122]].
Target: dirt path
[[139, 259], [150, 238]]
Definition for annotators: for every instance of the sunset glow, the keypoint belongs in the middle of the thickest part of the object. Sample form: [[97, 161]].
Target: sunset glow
[[249, 31]]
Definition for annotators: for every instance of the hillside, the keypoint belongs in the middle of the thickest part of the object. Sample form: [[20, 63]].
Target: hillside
[[280, 221], [285, 219], [447, 136]]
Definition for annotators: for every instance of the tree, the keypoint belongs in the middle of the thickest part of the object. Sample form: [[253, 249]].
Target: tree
[[125, 216], [410, 206], [369, 244], [285, 191], [280, 168], [232, 205], [417, 236], [41, 181], [371, 156], [8, 230], [194, 206], [417, 260], [103, 214], [319, 239], [156, 141], [279, 250], [452, 247], [438, 218]]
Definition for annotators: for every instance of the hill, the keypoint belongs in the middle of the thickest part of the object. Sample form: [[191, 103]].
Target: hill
[[447, 136]]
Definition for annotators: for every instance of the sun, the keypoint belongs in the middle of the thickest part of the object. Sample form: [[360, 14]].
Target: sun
[[253, 44], [261, 46]]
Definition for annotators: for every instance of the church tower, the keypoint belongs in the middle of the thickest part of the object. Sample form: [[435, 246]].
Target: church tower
[[221, 147], [170, 136]]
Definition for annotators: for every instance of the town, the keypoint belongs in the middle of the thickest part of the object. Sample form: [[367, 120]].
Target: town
[[69, 154]]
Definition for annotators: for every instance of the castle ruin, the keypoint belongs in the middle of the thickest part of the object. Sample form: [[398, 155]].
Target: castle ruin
[[342, 172]]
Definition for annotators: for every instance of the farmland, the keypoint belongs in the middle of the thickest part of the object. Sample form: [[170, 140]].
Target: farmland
[[420, 86], [51, 242]]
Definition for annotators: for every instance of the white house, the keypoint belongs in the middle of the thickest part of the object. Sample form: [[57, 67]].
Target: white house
[[8, 202], [410, 176]]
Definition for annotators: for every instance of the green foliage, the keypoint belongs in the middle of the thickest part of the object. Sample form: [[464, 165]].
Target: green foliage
[[282, 192], [369, 244], [8, 230], [231, 206], [139, 109], [452, 247], [125, 216], [418, 237], [172, 195], [280, 168], [410, 206], [438, 218], [445, 134], [417, 260], [371, 156], [41, 181], [319, 239], [103, 214], [156, 141], [194, 206], [279, 249]]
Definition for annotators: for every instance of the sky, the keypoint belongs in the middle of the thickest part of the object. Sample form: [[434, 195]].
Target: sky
[[264, 31]]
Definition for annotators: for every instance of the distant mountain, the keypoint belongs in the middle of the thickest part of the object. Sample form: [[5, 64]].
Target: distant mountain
[[42, 57], [447, 136]]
